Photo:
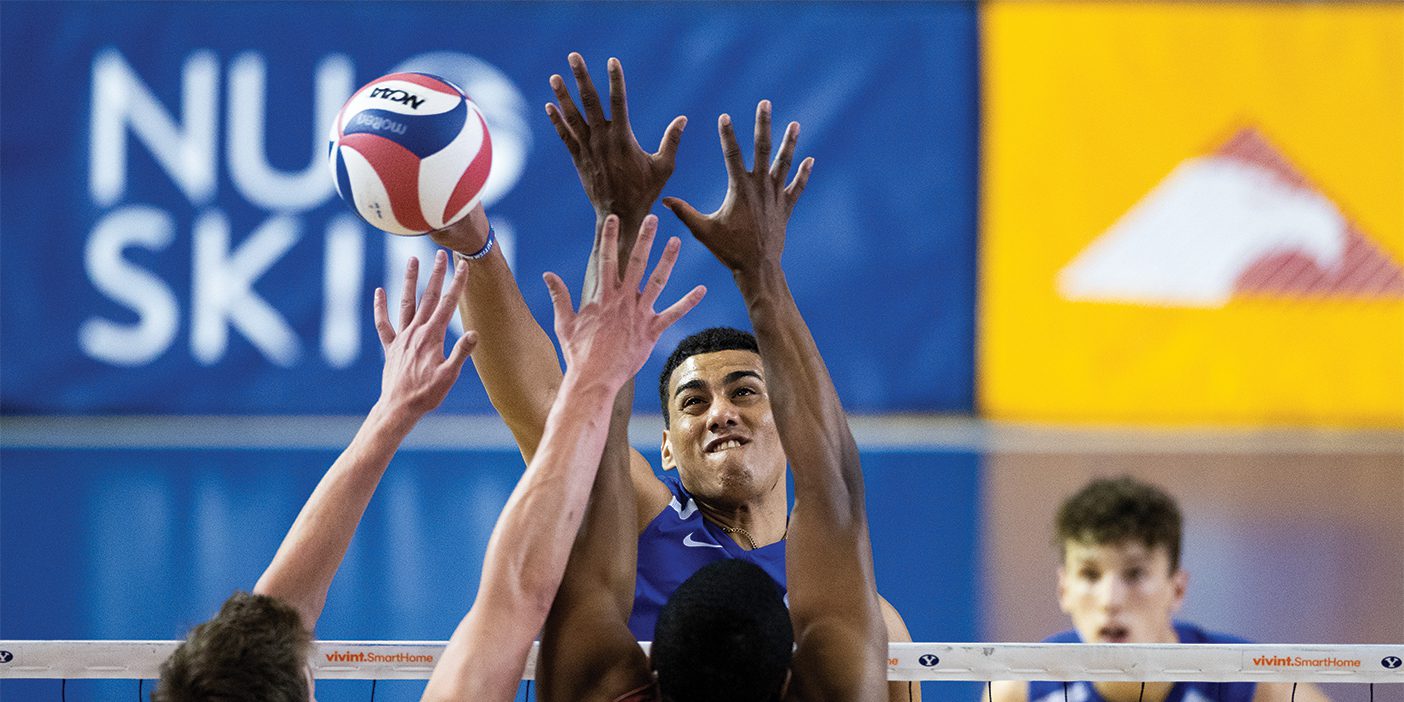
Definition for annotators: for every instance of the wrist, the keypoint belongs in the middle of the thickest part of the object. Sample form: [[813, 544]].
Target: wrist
[[629, 217], [392, 415], [758, 277], [586, 386], [487, 247]]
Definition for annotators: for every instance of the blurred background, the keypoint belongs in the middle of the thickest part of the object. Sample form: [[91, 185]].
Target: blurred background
[[1042, 242]]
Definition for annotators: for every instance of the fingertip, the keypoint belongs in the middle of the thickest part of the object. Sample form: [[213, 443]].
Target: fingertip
[[614, 64], [724, 120]]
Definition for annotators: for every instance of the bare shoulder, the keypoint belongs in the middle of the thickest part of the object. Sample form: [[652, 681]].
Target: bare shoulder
[[651, 495], [1285, 692], [1007, 691], [896, 628]]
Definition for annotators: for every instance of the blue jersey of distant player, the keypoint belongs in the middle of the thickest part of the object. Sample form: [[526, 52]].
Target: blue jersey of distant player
[[676, 544], [1081, 691]]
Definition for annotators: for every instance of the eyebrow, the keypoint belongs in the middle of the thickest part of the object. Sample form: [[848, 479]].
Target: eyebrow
[[730, 378]]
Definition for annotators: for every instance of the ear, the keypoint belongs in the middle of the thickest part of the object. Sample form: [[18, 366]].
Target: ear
[[666, 453], [1063, 589], [1180, 581]]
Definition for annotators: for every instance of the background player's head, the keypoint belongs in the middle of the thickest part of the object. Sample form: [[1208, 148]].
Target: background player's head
[[254, 649], [724, 634], [1120, 578], [719, 431]]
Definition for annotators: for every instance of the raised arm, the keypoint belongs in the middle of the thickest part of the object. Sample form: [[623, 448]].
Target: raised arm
[[839, 634], [588, 652], [516, 361], [416, 379], [604, 343]]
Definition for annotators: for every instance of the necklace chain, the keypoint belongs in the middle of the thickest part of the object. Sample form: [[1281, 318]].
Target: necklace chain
[[743, 532]]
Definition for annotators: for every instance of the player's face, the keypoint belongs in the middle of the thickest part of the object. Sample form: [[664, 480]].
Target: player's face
[[721, 435], [1120, 593]]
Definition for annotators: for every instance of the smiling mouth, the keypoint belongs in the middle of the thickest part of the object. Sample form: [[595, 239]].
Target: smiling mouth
[[719, 446]]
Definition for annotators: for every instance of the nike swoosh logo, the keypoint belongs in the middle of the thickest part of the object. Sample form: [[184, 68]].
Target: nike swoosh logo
[[689, 541]]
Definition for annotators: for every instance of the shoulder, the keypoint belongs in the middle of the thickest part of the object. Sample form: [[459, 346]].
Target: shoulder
[[647, 693], [1069, 636]]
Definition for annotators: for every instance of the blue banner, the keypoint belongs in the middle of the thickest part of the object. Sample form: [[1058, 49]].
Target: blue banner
[[172, 242]]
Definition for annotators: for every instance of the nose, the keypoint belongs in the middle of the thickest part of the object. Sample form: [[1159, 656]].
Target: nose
[[1112, 592], [721, 414]]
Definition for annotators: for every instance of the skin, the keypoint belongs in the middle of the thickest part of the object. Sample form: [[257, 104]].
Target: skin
[[587, 650], [1127, 592], [517, 363], [604, 344], [416, 378], [723, 441]]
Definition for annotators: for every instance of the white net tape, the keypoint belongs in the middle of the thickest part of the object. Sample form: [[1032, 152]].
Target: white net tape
[[414, 660]]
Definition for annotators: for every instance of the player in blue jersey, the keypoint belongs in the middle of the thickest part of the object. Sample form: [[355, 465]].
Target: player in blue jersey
[[721, 436], [725, 633], [1120, 581]]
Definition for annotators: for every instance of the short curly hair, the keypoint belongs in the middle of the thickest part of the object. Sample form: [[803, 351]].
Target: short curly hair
[[724, 634], [255, 649], [1115, 510], [709, 340]]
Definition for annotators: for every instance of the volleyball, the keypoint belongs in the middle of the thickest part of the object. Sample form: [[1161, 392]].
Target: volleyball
[[410, 153]]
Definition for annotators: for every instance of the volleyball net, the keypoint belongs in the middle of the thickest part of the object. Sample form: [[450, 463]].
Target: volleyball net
[[415, 660]]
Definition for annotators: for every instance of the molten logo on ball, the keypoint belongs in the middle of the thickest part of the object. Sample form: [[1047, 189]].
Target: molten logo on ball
[[410, 153]]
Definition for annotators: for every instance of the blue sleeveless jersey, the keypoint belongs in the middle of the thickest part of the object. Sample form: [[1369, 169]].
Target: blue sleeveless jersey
[[676, 544], [1052, 690]]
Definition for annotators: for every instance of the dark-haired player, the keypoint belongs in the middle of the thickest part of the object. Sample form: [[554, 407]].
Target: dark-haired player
[[725, 633], [723, 495]]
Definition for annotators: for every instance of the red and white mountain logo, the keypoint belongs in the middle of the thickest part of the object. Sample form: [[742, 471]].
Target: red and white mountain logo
[[1240, 222]]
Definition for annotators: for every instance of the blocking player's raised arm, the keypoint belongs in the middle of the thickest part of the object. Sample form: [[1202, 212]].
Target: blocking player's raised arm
[[416, 378], [604, 343], [839, 634], [588, 653]]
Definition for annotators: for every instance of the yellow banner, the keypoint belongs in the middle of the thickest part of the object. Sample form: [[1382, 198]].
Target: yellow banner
[[1193, 213]]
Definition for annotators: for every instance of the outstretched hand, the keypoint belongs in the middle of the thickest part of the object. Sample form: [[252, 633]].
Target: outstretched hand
[[748, 230], [618, 175], [614, 331], [417, 375]]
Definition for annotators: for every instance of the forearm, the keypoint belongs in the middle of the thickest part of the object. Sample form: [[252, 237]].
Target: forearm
[[813, 427], [528, 549], [602, 562], [514, 358], [302, 570]]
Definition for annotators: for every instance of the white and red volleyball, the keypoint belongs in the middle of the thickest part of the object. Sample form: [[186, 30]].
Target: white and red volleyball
[[410, 153]]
